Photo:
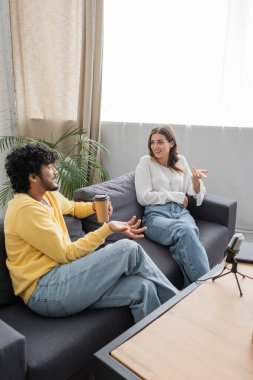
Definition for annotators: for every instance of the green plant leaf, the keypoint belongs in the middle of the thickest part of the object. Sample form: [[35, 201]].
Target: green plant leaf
[[6, 193], [76, 164]]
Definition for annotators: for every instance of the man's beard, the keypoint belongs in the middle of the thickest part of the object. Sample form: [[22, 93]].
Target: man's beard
[[49, 185]]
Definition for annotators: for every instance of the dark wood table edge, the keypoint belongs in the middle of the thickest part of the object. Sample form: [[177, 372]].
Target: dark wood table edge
[[103, 356]]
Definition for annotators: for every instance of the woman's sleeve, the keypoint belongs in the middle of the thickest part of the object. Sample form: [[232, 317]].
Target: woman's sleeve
[[144, 189]]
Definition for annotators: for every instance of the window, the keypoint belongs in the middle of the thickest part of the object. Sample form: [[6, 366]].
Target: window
[[178, 61]]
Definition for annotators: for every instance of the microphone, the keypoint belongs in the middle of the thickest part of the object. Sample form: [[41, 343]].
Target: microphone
[[233, 248]]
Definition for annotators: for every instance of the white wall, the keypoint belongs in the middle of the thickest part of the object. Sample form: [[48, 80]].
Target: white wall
[[226, 151], [7, 114]]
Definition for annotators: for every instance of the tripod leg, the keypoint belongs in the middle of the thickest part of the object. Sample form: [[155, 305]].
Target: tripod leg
[[238, 284], [244, 275], [221, 275]]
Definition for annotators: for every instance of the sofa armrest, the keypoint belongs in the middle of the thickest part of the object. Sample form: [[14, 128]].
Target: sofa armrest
[[13, 361], [216, 209]]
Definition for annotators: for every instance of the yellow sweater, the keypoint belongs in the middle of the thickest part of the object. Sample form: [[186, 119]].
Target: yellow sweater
[[37, 239]]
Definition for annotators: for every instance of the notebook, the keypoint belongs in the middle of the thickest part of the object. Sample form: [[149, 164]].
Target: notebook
[[245, 254]]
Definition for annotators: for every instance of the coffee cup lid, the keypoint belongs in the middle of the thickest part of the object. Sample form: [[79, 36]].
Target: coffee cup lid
[[101, 197]]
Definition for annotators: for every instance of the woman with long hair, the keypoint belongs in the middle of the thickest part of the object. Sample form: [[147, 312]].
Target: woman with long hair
[[163, 182]]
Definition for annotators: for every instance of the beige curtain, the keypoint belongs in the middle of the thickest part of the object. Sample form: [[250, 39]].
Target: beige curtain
[[91, 69], [57, 56]]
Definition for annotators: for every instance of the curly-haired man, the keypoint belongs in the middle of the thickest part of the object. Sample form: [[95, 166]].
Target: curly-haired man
[[57, 277]]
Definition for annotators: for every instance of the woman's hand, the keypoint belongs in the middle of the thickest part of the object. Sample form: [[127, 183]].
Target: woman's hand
[[185, 202], [129, 229], [198, 174]]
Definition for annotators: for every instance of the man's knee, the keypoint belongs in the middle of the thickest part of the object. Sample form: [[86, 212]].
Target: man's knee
[[129, 247], [126, 243]]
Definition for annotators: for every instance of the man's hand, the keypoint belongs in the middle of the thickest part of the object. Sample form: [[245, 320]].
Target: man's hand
[[129, 229]]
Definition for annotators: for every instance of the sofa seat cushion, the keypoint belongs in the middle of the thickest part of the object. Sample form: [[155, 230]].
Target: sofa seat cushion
[[214, 238], [59, 347], [161, 256]]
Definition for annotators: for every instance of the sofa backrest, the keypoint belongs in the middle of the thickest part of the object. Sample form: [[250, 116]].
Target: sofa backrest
[[123, 198], [6, 291]]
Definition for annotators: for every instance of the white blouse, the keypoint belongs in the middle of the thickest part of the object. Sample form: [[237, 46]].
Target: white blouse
[[156, 184]]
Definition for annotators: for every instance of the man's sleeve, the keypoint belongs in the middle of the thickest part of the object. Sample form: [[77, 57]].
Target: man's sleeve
[[77, 209], [37, 228]]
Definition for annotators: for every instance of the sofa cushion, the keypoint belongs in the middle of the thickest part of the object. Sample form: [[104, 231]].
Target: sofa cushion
[[58, 347], [6, 291], [123, 198], [161, 256], [12, 353], [214, 238], [74, 226]]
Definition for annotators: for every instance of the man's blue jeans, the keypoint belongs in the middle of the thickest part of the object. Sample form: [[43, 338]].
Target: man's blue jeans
[[120, 274], [172, 225]]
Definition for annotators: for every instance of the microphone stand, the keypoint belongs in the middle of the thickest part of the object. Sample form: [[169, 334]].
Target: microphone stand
[[230, 259]]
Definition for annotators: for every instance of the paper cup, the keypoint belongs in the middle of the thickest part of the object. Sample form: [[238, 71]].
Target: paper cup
[[102, 207]]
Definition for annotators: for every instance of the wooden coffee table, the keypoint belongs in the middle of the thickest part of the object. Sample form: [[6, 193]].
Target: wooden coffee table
[[203, 333]]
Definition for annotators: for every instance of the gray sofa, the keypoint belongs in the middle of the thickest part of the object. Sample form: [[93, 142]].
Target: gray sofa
[[38, 348]]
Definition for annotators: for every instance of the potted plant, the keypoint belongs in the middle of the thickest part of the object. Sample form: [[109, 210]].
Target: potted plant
[[77, 163]]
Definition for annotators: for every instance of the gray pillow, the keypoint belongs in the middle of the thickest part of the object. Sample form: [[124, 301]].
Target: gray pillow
[[123, 198], [74, 227]]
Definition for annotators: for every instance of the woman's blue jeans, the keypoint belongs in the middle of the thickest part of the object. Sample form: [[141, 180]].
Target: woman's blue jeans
[[172, 225], [120, 274]]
